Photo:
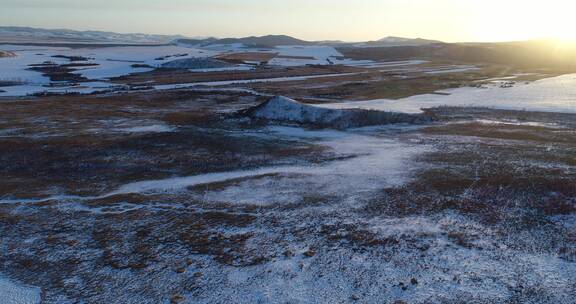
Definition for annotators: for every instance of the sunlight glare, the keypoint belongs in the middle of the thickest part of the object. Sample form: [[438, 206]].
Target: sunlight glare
[[494, 20]]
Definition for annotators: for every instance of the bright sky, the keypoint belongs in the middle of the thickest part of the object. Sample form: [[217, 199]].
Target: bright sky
[[350, 20]]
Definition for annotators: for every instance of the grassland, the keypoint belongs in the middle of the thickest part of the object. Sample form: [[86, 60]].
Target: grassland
[[495, 189]]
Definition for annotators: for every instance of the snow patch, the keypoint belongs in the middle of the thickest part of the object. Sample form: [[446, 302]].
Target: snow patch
[[557, 94], [147, 129], [364, 160], [196, 63], [367, 164], [15, 293], [108, 62]]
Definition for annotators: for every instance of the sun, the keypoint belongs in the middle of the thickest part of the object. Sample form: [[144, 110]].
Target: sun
[[556, 21], [566, 36], [495, 20]]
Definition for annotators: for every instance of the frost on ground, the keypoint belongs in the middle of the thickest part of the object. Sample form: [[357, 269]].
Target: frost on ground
[[362, 163], [14, 293], [477, 207]]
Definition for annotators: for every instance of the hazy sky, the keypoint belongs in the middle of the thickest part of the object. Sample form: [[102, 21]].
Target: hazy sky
[[351, 20]]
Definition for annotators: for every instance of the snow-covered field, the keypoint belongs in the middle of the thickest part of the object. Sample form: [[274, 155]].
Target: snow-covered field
[[118, 61], [201, 191], [377, 162], [374, 161], [157, 198], [557, 94], [110, 62], [15, 68], [97, 65], [14, 293], [318, 54]]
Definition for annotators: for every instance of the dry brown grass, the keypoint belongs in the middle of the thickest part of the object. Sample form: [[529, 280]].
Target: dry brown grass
[[373, 84], [506, 132], [296, 57], [174, 77], [247, 56], [6, 54]]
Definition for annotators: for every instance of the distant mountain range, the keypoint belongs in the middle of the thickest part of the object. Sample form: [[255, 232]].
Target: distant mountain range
[[276, 40], [397, 41], [14, 34], [263, 41]]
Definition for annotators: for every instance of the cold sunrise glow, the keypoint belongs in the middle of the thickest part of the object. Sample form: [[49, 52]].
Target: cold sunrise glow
[[447, 20]]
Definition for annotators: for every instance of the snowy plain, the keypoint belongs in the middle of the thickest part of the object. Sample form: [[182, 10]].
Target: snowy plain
[[15, 293], [317, 242], [557, 94], [110, 62], [364, 161]]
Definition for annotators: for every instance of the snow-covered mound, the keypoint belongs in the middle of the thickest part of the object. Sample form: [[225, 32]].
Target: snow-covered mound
[[196, 63], [283, 109]]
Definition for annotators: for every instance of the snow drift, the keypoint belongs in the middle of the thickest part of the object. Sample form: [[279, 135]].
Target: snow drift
[[283, 109]]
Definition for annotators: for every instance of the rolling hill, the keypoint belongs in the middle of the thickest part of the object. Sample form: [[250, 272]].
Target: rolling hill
[[396, 41], [268, 41], [13, 34], [522, 54]]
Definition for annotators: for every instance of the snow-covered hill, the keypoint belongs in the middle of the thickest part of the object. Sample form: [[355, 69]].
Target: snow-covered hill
[[272, 41], [269, 41], [396, 41], [14, 34]]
